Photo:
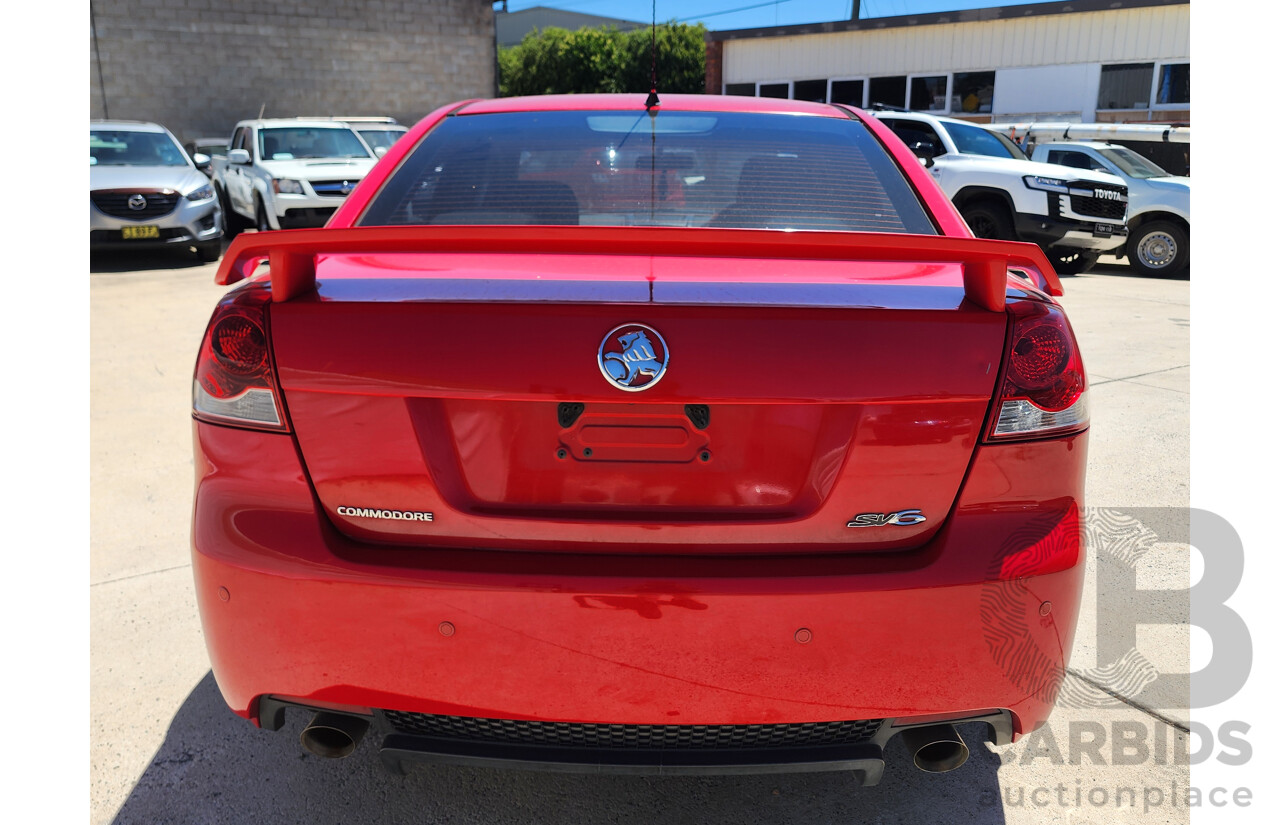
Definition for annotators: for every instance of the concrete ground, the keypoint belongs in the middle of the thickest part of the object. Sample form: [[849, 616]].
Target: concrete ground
[[164, 747]]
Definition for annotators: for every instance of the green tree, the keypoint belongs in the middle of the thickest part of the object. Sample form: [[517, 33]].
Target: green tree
[[557, 61]]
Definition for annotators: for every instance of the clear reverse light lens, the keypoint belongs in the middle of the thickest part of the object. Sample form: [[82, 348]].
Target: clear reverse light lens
[[1021, 417], [251, 405]]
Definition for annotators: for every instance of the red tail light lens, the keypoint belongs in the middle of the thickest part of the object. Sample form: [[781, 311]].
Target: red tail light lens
[[1043, 386], [239, 344], [234, 383]]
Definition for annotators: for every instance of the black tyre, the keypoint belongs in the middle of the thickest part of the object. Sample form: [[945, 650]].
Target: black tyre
[[1068, 260], [232, 224], [209, 251], [1159, 248], [988, 219], [263, 224]]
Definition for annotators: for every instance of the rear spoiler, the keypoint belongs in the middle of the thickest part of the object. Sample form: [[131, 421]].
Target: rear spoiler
[[291, 253]]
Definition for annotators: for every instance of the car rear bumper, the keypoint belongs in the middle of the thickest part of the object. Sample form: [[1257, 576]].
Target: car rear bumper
[[856, 748], [979, 620]]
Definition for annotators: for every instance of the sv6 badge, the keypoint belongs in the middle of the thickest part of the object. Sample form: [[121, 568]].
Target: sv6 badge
[[902, 518]]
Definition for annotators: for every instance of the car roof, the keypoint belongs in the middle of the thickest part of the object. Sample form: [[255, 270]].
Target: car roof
[[635, 102], [926, 116], [350, 118], [128, 125], [1091, 144], [296, 121]]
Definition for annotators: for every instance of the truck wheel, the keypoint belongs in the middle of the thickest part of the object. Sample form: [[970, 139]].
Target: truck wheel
[[989, 220], [1069, 260], [232, 223], [263, 224], [1159, 248]]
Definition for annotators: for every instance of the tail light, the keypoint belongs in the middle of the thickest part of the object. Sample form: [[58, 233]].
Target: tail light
[[1042, 390], [234, 382]]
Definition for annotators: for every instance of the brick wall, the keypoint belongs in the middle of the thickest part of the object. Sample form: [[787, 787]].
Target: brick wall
[[715, 66], [198, 66]]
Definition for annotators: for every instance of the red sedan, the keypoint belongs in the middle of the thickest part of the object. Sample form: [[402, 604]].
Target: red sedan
[[730, 451]]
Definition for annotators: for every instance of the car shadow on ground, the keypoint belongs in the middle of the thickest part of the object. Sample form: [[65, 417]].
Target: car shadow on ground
[[1120, 267], [214, 767], [142, 260]]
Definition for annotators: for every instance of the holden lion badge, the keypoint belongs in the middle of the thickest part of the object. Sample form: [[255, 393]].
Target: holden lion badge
[[633, 357]]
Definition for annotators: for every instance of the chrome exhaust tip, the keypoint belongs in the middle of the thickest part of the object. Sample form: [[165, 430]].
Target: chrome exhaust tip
[[936, 748], [333, 735]]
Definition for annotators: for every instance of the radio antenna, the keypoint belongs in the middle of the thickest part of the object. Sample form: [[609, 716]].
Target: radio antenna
[[652, 100]]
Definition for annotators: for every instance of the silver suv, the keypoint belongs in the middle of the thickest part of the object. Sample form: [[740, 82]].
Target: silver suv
[[145, 191]]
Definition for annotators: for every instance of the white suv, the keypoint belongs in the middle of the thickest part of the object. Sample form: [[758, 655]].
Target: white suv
[[288, 173], [1074, 214]]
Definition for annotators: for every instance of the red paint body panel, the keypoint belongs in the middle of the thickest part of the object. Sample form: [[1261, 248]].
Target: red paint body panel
[[624, 639], [458, 418], [635, 103]]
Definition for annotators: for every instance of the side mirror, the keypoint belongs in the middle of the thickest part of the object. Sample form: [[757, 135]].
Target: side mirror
[[201, 161], [380, 151], [240, 156], [925, 151]]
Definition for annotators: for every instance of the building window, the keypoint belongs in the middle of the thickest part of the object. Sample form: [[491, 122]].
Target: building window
[[1174, 85], [748, 89], [815, 90], [929, 94], [848, 92], [1125, 86], [890, 91], [775, 90], [972, 92]]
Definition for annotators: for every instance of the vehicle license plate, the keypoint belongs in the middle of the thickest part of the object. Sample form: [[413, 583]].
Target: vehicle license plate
[[1103, 229], [138, 233]]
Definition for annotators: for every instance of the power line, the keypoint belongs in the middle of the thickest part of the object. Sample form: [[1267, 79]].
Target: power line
[[732, 11]]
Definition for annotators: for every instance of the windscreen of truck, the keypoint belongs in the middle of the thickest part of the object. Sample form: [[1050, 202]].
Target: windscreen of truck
[[1131, 163], [974, 140], [297, 142]]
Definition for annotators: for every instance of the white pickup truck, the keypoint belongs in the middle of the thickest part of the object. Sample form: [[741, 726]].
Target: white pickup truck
[[286, 173], [1075, 215], [1159, 203]]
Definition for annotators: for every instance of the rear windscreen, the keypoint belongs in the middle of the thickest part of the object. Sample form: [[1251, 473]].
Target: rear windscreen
[[730, 170]]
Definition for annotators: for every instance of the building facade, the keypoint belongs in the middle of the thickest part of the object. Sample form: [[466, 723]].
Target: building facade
[[198, 66], [1087, 60]]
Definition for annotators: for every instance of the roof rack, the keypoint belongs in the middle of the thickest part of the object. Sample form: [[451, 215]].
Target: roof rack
[[357, 119]]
